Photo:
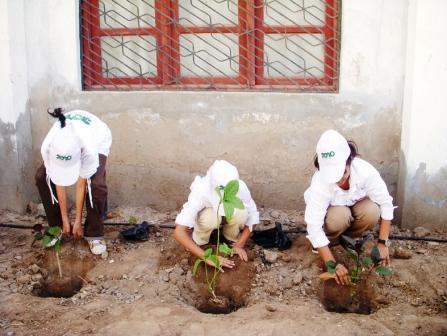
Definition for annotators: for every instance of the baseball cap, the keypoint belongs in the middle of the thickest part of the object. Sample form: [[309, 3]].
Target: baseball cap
[[221, 172], [332, 151], [64, 157]]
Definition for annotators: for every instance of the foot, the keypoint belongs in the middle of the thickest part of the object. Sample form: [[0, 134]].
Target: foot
[[97, 246]]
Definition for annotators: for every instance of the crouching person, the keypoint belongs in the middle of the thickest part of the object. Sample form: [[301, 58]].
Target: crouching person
[[75, 151], [347, 196], [199, 214]]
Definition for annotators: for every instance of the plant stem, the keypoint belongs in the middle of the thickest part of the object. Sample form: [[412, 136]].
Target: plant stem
[[58, 264], [213, 281]]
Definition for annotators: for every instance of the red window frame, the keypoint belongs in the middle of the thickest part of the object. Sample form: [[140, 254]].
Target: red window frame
[[251, 31]]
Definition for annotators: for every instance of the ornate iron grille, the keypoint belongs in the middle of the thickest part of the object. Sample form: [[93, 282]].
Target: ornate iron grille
[[275, 45]]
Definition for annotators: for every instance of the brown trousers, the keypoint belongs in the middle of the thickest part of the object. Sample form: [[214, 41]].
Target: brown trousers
[[351, 221], [94, 222]]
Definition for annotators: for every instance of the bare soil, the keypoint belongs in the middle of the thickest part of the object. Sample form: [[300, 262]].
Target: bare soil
[[147, 288]]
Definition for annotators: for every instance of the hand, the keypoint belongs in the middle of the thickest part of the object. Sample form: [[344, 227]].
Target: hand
[[342, 275], [223, 262], [66, 228], [384, 255], [77, 230], [240, 252]]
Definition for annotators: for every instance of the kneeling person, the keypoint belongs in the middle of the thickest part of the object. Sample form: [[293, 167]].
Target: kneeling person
[[199, 213]]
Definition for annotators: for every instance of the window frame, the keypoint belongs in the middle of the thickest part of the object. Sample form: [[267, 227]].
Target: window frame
[[167, 32]]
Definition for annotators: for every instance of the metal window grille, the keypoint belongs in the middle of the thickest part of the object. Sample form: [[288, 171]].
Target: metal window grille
[[275, 45]]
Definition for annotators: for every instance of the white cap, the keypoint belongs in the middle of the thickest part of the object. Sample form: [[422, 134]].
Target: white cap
[[221, 172], [64, 157], [332, 151]]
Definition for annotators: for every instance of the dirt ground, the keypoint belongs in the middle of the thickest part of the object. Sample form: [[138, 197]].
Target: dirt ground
[[145, 288]]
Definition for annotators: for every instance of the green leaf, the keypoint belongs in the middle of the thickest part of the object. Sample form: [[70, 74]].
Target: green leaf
[[208, 253], [383, 270], [352, 254], [54, 231], [213, 258], [237, 203], [46, 240], [196, 265], [330, 266], [375, 255], [231, 189], [57, 246], [38, 236], [367, 261], [229, 210], [132, 220], [225, 249]]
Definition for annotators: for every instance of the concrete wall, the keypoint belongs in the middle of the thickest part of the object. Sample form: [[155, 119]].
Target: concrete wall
[[163, 139], [16, 160], [423, 173]]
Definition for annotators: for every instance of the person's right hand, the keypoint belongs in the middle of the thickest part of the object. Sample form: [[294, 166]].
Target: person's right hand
[[342, 275], [66, 228], [223, 262]]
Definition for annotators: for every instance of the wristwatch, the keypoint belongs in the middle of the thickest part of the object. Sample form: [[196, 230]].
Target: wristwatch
[[385, 242]]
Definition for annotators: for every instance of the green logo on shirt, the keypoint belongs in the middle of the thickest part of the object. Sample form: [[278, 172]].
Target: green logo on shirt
[[328, 154], [80, 117], [63, 157]]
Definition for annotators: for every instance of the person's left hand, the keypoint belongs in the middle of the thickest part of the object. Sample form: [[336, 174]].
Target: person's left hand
[[241, 252], [384, 255], [77, 230]]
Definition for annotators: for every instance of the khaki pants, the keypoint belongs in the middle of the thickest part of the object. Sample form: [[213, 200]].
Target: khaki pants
[[207, 222], [351, 221]]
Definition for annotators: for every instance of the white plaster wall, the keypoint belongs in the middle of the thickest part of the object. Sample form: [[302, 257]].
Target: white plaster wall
[[423, 172], [163, 139], [15, 132]]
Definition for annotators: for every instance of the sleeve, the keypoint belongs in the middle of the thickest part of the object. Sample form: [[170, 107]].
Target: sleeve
[[249, 203], [377, 192], [188, 214], [89, 163], [317, 202]]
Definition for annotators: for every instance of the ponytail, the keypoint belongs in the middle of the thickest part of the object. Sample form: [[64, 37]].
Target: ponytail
[[57, 113]]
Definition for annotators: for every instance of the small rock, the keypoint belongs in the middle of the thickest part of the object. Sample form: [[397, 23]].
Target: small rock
[[36, 277], [111, 261], [270, 308], [270, 256], [24, 279], [158, 234], [381, 299], [104, 255], [400, 253], [275, 214], [124, 276], [10, 333], [421, 251], [18, 257], [34, 268], [298, 277], [285, 257], [420, 232]]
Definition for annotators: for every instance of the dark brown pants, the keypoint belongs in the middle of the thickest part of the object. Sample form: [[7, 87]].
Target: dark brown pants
[[94, 225]]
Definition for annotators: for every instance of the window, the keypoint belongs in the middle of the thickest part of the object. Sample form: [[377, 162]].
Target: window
[[275, 45]]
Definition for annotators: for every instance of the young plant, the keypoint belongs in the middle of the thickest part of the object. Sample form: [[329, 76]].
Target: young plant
[[229, 200], [132, 220], [367, 264], [52, 238]]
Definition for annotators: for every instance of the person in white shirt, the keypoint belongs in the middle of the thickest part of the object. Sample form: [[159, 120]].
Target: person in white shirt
[[347, 196], [199, 213], [75, 151]]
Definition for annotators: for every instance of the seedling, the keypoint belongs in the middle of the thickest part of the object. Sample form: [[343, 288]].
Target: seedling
[[366, 265], [132, 220], [229, 201], [52, 238]]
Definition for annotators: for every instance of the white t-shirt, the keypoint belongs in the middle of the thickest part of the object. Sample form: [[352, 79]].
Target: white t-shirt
[[364, 181], [95, 137], [203, 195]]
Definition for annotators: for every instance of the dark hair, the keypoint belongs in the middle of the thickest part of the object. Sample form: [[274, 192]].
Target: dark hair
[[354, 152], [57, 113]]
